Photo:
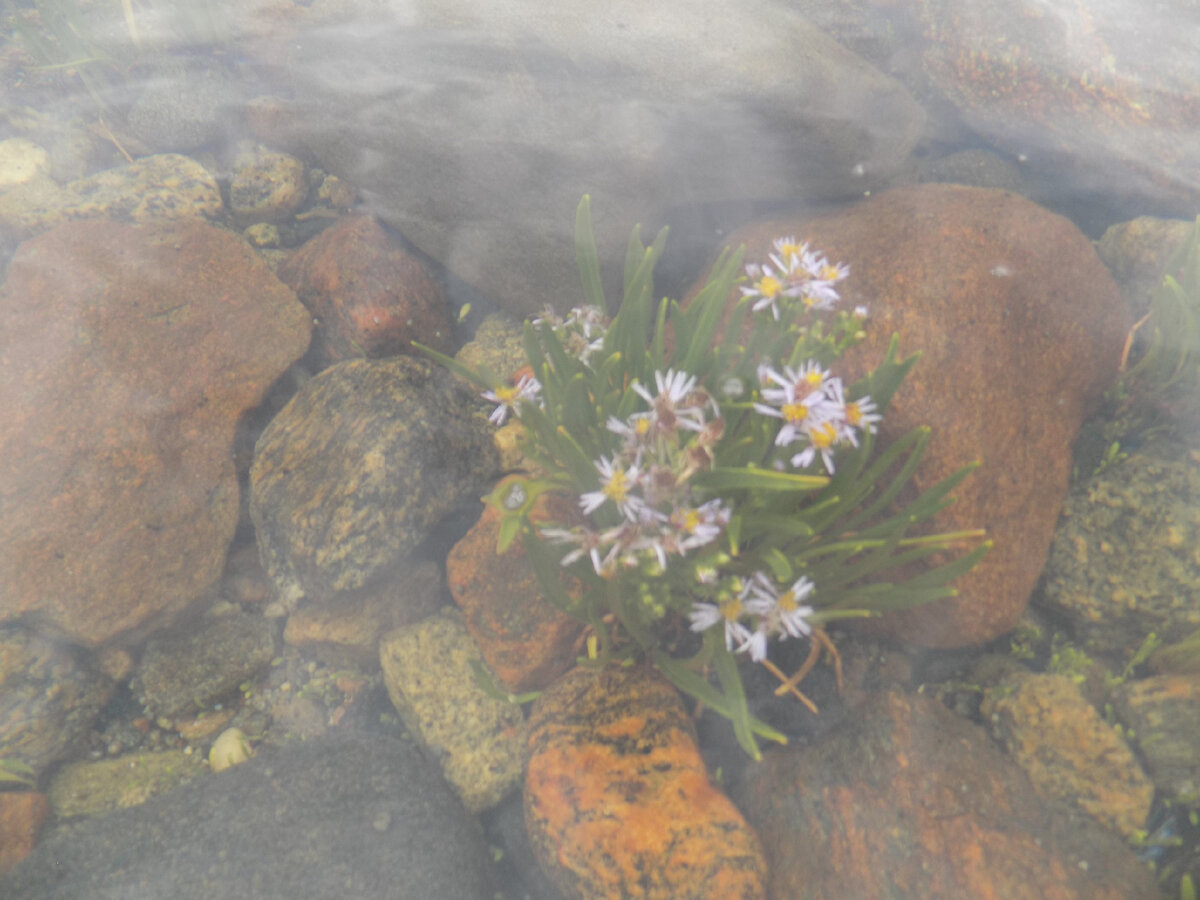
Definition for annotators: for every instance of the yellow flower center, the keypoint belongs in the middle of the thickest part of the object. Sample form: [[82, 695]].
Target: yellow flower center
[[617, 486], [824, 436], [787, 601], [794, 412], [506, 394], [789, 252], [829, 273], [854, 414], [769, 286], [691, 520], [732, 609]]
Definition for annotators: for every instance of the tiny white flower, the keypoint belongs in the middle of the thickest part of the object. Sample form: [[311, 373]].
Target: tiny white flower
[[508, 396], [617, 484]]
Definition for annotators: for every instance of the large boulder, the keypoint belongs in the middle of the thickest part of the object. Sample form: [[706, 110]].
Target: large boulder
[[128, 354], [1020, 327], [474, 128]]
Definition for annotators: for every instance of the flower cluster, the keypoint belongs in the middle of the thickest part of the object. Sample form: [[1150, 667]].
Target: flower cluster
[[794, 271], [772, 613]]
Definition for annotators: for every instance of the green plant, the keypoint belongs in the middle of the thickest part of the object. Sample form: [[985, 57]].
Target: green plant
[[13, 771], [728, 486]]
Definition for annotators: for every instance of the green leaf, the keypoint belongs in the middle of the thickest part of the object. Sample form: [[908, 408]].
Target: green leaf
[[721, 478], [482, 378], [586, 256]]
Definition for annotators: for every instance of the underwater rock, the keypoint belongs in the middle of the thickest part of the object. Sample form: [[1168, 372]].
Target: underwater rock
[[343, 816], [1137, 252], [267, 186], [473, 128], [1100, 98], [526, 640], [1069, 752], [909, 800], [617, 799], [478, 739], [186, 103], [94, 787], [359, 467], [1163, 715], [369, 295], [128, 355], [1126, 555], [21, 817], [1020, 329]]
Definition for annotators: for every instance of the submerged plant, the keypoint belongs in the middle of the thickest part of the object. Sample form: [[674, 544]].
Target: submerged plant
[[729, 490]]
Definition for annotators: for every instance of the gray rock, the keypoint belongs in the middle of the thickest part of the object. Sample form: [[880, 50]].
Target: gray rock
[[358, 469], [344, 816], [475, 128], [184, 105], [186, 672]]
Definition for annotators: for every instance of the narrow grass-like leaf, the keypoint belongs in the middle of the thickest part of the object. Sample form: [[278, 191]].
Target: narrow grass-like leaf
[[586, 256]]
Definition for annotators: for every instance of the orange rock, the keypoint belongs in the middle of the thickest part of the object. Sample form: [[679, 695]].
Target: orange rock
[[21, 816], [526, 640], [618, 802], [912, 801], [1020, 329]]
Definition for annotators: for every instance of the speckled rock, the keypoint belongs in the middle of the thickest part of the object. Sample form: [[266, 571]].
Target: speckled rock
[[1163, 715], [154, 189], [21, 161], [1069, 752], [21, 817], [92, 788], [526, 640], [49, 696], [519, 108], [618, 802], [1136, 252], [342, 816], [478, 739], [128, 355], [186, 103], [267, 186], [357, 470], [347, 628], [1020, 329], [187, 672], [1126, 556], [1100, 97], [370, 295], [911, 801]]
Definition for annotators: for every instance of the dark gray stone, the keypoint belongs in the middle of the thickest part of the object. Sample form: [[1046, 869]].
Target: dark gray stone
[[344, 816]]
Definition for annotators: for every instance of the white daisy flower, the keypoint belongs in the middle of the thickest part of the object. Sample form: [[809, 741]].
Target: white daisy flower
[[508, 396], [617, 484]]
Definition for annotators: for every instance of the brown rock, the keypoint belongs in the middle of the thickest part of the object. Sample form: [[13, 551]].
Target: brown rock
[[1068, 751], [617, 799], [21, 817], [912, 801], [1020, 328], [526, 640], [1163, 712], [370, 296], [127, 356]]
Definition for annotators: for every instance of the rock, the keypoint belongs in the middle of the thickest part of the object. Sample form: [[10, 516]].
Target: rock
[[267, 186], [344, 816], [347, 629], [1137, 251], [128, 355], [526, 640], [1092, 104], [1068, 751], [21, 161], [911, 801], [93, 788], [1020, 328], [977, 168], [369, 295], [50, 695], [357, 470], [618, 802], [185, 104], [189, 671], [21, 818], [474, 129], [154, 189], [1162, 714], [478, 739], [1126, 553]]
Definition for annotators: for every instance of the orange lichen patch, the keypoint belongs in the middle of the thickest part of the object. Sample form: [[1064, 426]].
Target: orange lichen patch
[[526, 641], [618, 802], [21, 817]]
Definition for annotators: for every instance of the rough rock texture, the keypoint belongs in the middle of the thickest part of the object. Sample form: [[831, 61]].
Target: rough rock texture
[[475, 128], [1068, 751], [477, 738], [1020, 328], [267, 186], [1163, 713], [1137, 251], [127, 356], [1101, 94], [21, 818], [913, 802], [369, 295], [49, 697], [344, 816], [1126, 557], [93, 787], [526, 640], [618, 802], [154, 189], [190, 670], [358, 468], [185, 103]]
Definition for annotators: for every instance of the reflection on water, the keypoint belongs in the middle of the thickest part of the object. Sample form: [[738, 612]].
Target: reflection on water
[[232, 501]]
